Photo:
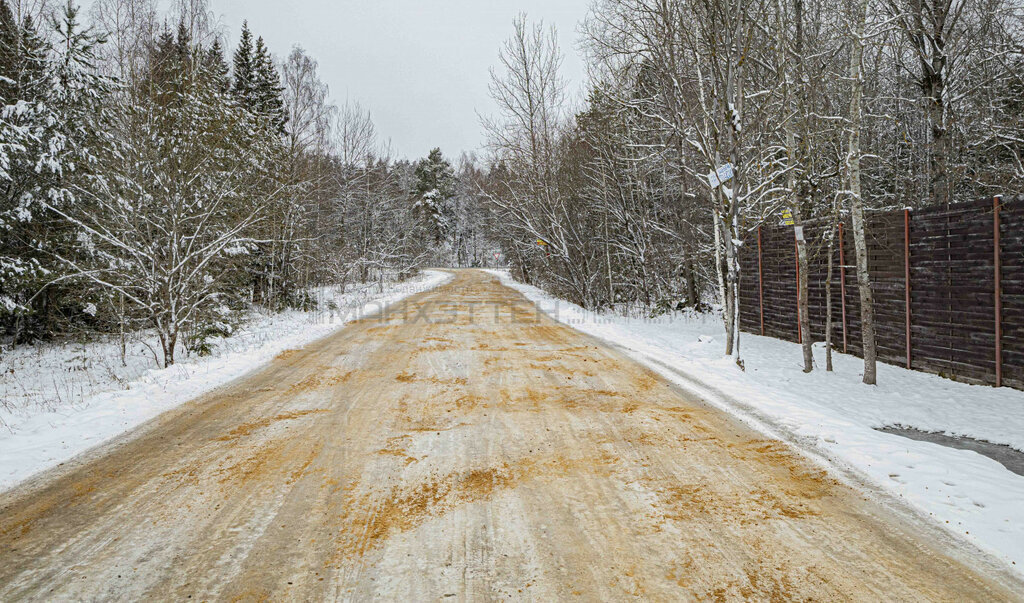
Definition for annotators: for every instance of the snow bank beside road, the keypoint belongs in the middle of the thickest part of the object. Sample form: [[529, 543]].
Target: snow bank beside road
[[833, 415], [101, 399]]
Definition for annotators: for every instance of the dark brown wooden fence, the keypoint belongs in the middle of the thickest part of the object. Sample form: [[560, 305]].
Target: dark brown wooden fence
[[935, 274]]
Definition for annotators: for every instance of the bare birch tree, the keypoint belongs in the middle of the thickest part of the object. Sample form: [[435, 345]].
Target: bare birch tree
[[858, 40]]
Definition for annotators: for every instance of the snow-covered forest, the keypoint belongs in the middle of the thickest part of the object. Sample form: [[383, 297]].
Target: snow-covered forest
[[822, 109], [152, 179]]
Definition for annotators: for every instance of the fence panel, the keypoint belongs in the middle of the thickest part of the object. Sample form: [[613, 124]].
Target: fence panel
[[1011, 238], [779, 260], [952, 281], [750, 298]]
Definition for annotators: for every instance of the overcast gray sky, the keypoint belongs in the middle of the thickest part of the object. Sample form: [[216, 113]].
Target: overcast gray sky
[[419, 66]]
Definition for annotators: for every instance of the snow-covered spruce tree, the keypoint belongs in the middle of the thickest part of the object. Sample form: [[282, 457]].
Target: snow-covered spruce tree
[[217, 67], [267, 89], [256, 83], [257, 90], [54, 112], [10, 39], [433, 195], [19, 267], [282, 233], [244, 72], [170, 226]]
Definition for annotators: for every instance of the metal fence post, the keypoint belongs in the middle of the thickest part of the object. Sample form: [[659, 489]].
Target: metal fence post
[[906, 264], [799, 327], [998, 293], [842, 281], [760, 278]]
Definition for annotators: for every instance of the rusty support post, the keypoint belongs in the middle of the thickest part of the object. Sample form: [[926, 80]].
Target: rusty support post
[[760, 278], [998, 293], [906, 265], [799, 327], [842, 281]]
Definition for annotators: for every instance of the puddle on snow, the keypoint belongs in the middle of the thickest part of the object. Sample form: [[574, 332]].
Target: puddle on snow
[[1008, 457]]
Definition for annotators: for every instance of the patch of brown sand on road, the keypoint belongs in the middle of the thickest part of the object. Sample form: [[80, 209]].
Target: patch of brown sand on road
[[405, 377], [328, 377], [287, 355], [396, 448], [22, 525], [275, 462], [370, 519], [247, 429], [698, 501]]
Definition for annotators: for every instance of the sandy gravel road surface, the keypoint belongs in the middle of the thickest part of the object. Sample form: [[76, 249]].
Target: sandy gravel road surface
[[461, 447]]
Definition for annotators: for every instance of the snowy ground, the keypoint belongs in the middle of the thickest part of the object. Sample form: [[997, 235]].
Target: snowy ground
[[57, 401], [833, 416]]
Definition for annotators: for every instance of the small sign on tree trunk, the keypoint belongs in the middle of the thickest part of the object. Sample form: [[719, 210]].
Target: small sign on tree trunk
[[719, 177]]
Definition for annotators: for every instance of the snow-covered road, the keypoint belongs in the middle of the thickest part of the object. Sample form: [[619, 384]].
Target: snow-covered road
[[463, 445]]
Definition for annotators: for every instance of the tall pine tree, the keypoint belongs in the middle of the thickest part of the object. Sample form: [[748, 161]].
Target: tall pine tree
[[257, 84], [267, 90], [217, 68], [25, 118], [53, 112], [243, 85], [434, 191], [9, 38]]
